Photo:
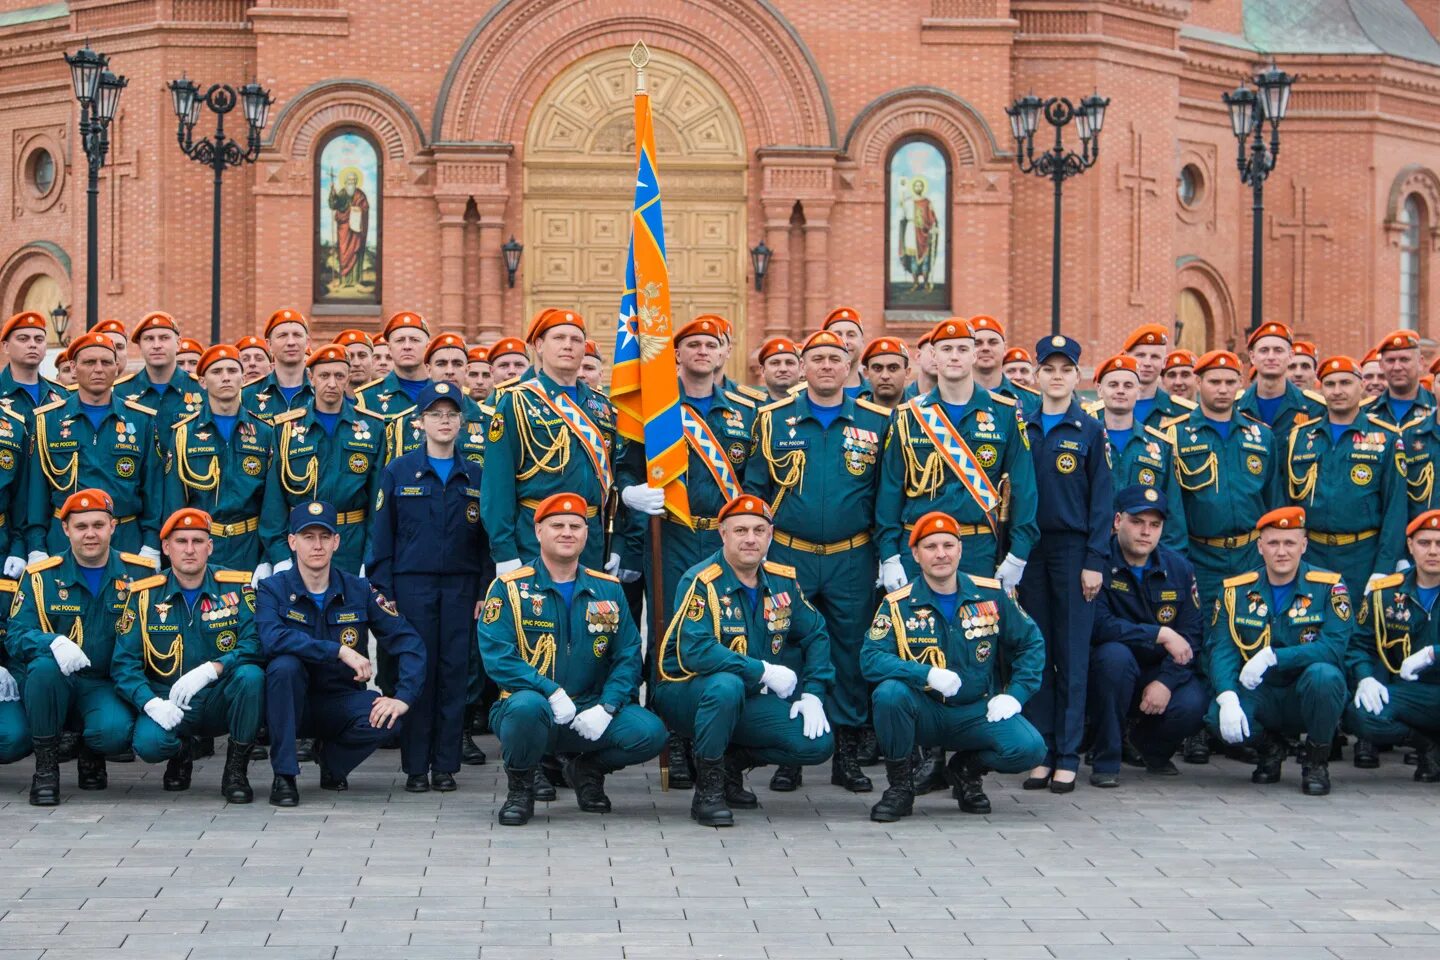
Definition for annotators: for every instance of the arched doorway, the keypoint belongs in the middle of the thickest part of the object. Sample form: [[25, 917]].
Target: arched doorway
[[579, 186], [1194, 321]]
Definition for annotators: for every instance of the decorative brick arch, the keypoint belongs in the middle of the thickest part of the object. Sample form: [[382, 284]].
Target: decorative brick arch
[[40, 258], [930, 110], [1194, 273], [488, 91], [1414, 179]]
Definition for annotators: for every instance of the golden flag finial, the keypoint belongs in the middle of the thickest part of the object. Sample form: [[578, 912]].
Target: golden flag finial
[[639, 58]]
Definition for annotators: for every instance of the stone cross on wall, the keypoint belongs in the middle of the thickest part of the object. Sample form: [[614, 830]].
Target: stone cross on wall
[[1300, 229], [1140, 185]]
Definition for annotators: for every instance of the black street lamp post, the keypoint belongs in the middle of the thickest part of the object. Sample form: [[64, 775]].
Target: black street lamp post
[[98, 91], [218, 152], [1248, 112], [1057, 163]]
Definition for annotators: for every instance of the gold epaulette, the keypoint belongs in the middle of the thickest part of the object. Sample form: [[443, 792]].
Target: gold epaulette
[[1316, 397], [754, 393], [1183, 403], [486, 409], [1418, 418], [895, 596], [367, 386], [1254, 419], [152, 581], [872, 406], [9, 586], [1239, 580], [250, 383], [1167, 435], [514, 575], [125, 378], [740, 398], [798, 388], [46, 408], [777, 404], [363, 410], [1385, 583], [287, 416], [709, 574], [601, 575], [1094, 408], [45, 564], [990, 582], [1001, 398], [1304, 421], [780, 569], [1369, 399], [1322, 576], [72, 387], [134, 404], [509, 384], [185, 419], [10, 412], [233, 576], [1169, 423], [135, 558]]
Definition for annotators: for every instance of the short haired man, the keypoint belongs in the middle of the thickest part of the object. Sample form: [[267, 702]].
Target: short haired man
[[22, 388], [383, 362], [1405, 399], [285, 387], [844, 322], [361, 351], [1272, 398], [779, 367], [1373, 374], [1139, 454], [592, 368], [388, 397], [1178, 374], [187, 354], [886, 362], [479, 377], [160, 384], [989, 366], [255, 357], [508, 360], [1147, 343], [1304, 359], [1019, 367]]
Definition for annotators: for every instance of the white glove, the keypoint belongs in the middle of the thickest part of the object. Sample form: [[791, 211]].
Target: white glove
[[283, 565], [812, 713], [591, 723], [1402, 565], [942, 681], [36, 556], [892, 574], [150, 553], [14, 566], [190, 683], [1371, 582], [9, 689], [1411, 666], [628, 576], [362, 571], [68, 656], [612, 566], [1011, 569], [779, 680], [562, 707], [1234, 725], [1002, 706], [262, 571], [507, 566], [1254, 670], [1372, 695], [643, 498], [163, 712]]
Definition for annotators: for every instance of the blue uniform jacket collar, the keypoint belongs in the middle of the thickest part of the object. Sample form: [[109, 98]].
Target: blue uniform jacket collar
[[419, 461], [68, 573], [718, 399], [980, 399], [1119, 563], [294, 586], [541, 579], [348, 413], [73, 409], [9, 387], [208, 586], [965, 591], [179, 381]]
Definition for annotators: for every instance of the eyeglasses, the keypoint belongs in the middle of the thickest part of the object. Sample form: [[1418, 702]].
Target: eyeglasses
[[443, 415]]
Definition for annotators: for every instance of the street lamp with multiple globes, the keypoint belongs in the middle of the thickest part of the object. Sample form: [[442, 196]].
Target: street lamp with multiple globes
[[1249, 110], [1057, 163], [218, 152], [98, 91]]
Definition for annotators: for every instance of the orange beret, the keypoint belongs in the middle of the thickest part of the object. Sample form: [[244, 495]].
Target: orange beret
[[932, 523], [550, 318], [1283, 518], [186, 518], [109, 326], [1270, 328], [1338, 365], [983, 322], [347, 337], [746, 505], [285, 315], [445, 341], [187, 345], [330, 353], [92, 338], [822, 338], [477, 355], [25, 320], [1147, 334], [1121, 361], [1399, 340], [252, 342], [1018, 355], [776, 346], [506, 345], [561, 505], [719, 321], [1217, 360], [405, 320], [925, 338], [705, 326], [82, 501], [1435, 365], [221, 351], [885, 347], [1179, 358], [63, 357], [592, 349], [1304, 348], [842, 314], [1371, 356], [955, 328], [155, 320], [1429, 520]]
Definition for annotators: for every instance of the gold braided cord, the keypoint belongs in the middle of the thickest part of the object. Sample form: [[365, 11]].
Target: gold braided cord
[[1383, 643], [672, 633], [153, 658], [556, 449], [1184, 473], [62, 479], [37, 590], [932, 655], [740, 645], [793, 463], [208, 481], [920, 481], [1300, 488], [1421, 486], [541, 653], [1246, 650], [296, 486]]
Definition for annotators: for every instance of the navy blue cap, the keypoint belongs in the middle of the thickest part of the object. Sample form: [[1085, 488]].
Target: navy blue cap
[[1138, 498], [1047, 347], [435, 392], [316, 513]]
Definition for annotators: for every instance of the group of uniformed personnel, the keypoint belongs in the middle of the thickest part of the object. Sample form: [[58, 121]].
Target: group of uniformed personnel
[[879, 562]]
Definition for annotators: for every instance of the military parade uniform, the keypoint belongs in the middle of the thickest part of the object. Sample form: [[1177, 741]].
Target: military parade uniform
[[341, 469], [1393, 623], [16, 396], [14, 728], [1285, 412], [391, 396], [1156, 411], [181, 397], [266, 399], [1421, 442], [15, 452], [1401, 414], [1148, 458], [224, 476], [403, 433]]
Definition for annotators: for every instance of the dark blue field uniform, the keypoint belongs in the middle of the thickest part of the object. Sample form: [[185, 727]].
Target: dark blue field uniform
[[428, 552], [1075, 511], [308, 691], [1125, 658]]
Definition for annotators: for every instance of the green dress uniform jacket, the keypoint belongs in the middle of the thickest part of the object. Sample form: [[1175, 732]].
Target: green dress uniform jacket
[[1149, 459], [1167, 407], [226, 479], [1421, 441], [184, 396], [385, 397], [20, 399], [263, 398], [1295, 405], [1391, 625], [15, 453], [403, 433]]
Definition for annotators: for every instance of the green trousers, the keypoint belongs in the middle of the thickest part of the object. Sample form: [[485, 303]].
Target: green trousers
[[1311, 705], [232, 705], [717, 711], [906, 718], [87, 703], [1413, 708], [1214, 564], [527, 730], [14, 732], [680, 549]]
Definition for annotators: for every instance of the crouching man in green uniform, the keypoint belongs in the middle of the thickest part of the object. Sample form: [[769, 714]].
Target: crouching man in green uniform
[[557, 638], [744, 667], [953, 658]]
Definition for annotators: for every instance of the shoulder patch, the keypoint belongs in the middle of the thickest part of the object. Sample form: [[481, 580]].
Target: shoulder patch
[[872, 406], [740, 398], [45, 564], [1242, 579], [514, 575], [601, 575], [900, 594], [990, 582], [709, 573], [1322, 576], [149, 582], [140, 561], [1001, 398], [1385, 583], [780, 569], [233, 576], [134, 404], [288, 415]]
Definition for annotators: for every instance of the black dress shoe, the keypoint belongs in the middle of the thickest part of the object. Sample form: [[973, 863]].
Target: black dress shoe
[[1196, 749], [1365, 756], [1036, 783], [588, 779], [178, 772], [966, 776], [417, 783], [786, 779], [283, 792], [1062, 786], [1161, 768], [443, 782], [470, 753], [1105, 781], [543, 788]]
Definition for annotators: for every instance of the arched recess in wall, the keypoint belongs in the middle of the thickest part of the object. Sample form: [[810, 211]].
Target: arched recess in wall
[[1412, 226], [1201, 293], [37, 277]]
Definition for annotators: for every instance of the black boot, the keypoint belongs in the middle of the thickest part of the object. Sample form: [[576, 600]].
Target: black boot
[[786, 779], [588, 779], [45, 785], [235, 778], [707, 806], [470, 753], [1315, 770], [519, 805], [283, 792], [69, 747], [737, 761], [1365, 757], [554, 771], [1427, 765], [180, 767], [1196, 748], [328, 780], [202, 747], [542, 788], [929, 770], [967, 783], [682, 775], [867, 748], [305, 751], [1269, 756], [90, 769], [898, 800], [844, 767]]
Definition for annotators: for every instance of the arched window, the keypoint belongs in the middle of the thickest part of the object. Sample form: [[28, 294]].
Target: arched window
[[917, 234], [347, 218], [1412, 263]]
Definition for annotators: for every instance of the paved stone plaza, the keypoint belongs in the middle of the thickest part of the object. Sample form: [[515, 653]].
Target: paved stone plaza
[[1205, 866]]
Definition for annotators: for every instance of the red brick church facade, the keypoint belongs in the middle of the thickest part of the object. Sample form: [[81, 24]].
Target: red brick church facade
[[777, 120]]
